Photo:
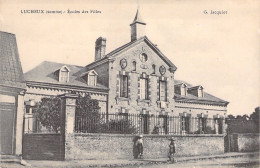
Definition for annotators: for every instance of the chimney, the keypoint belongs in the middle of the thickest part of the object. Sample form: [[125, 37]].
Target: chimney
[[100, 48]]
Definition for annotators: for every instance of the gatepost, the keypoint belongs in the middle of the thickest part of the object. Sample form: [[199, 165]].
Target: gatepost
[[68, 109]]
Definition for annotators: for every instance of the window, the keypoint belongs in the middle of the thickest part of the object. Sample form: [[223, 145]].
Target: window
[[153, 68], [218, 125], [143, 88], [185, 124], [124, 86], [203, 124], [162, 124], [64, 76], [163, 91], [134, 66], [200, 92], [92, 80], [90, 77], [183, 90]]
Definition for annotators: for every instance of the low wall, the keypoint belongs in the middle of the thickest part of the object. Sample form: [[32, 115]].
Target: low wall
[[102, 146], [248, 142], [43, 147]]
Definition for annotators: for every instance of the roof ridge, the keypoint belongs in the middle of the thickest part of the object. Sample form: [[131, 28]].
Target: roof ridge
[[61, 63]]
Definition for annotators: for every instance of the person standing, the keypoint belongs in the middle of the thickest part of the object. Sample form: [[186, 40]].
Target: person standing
[[171, 150], [138, 147]]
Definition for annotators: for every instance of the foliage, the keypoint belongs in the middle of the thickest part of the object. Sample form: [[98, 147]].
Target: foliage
[[208, 130], [244, 124], [156, 130], [122, 126], [87, 106], [88, 109], [48, 113]]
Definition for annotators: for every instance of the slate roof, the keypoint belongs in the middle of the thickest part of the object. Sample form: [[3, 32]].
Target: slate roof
[[121, 48], [11, 73], [45, 73], [189, 98]]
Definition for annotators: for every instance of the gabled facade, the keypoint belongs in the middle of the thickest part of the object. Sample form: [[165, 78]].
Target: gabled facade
[[136, 78]]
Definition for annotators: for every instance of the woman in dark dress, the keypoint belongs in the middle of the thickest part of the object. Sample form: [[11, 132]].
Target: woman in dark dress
[[138, 147]]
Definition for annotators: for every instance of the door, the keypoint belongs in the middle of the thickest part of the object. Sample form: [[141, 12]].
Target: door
[[6, 128]]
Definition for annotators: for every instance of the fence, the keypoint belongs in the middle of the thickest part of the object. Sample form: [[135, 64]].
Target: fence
[[124, 123]]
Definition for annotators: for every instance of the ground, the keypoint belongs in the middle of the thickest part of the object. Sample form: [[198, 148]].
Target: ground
[[248, 161], [212, 163]]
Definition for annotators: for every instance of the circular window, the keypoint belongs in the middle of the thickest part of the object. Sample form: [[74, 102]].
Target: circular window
[[143, 57]]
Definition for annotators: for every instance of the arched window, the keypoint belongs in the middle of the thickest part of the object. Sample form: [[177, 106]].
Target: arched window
[[134, 65], [153, 68]]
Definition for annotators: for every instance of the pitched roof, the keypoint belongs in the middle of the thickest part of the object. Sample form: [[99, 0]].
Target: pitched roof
[[206, 99], [11, 73], [45, 73], [125, 46]]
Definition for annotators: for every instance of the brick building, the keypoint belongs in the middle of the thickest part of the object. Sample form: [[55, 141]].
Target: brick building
[[136, 78]]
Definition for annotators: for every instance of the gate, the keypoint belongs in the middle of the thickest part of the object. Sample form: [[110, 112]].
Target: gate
[[40, 143]]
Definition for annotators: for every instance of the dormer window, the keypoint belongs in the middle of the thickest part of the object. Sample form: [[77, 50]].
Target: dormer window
[[196, 91], [64, 74], [181, 89], [200, 92], [91, 77]]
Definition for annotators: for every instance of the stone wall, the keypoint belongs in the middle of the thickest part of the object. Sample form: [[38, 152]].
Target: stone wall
[[248, 142], [104, 146]]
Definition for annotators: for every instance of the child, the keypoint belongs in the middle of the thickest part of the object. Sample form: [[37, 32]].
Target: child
[[171, 150]]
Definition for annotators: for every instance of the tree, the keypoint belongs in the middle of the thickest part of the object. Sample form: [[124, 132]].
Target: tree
[[255, 114], [255, 117], [230, 116], [88, 116], [48, 113]]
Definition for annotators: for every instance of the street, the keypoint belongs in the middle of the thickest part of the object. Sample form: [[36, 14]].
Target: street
[[252, 162], [214, 163]]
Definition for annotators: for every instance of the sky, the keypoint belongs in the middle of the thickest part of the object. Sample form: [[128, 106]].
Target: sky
[[219, 52]]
